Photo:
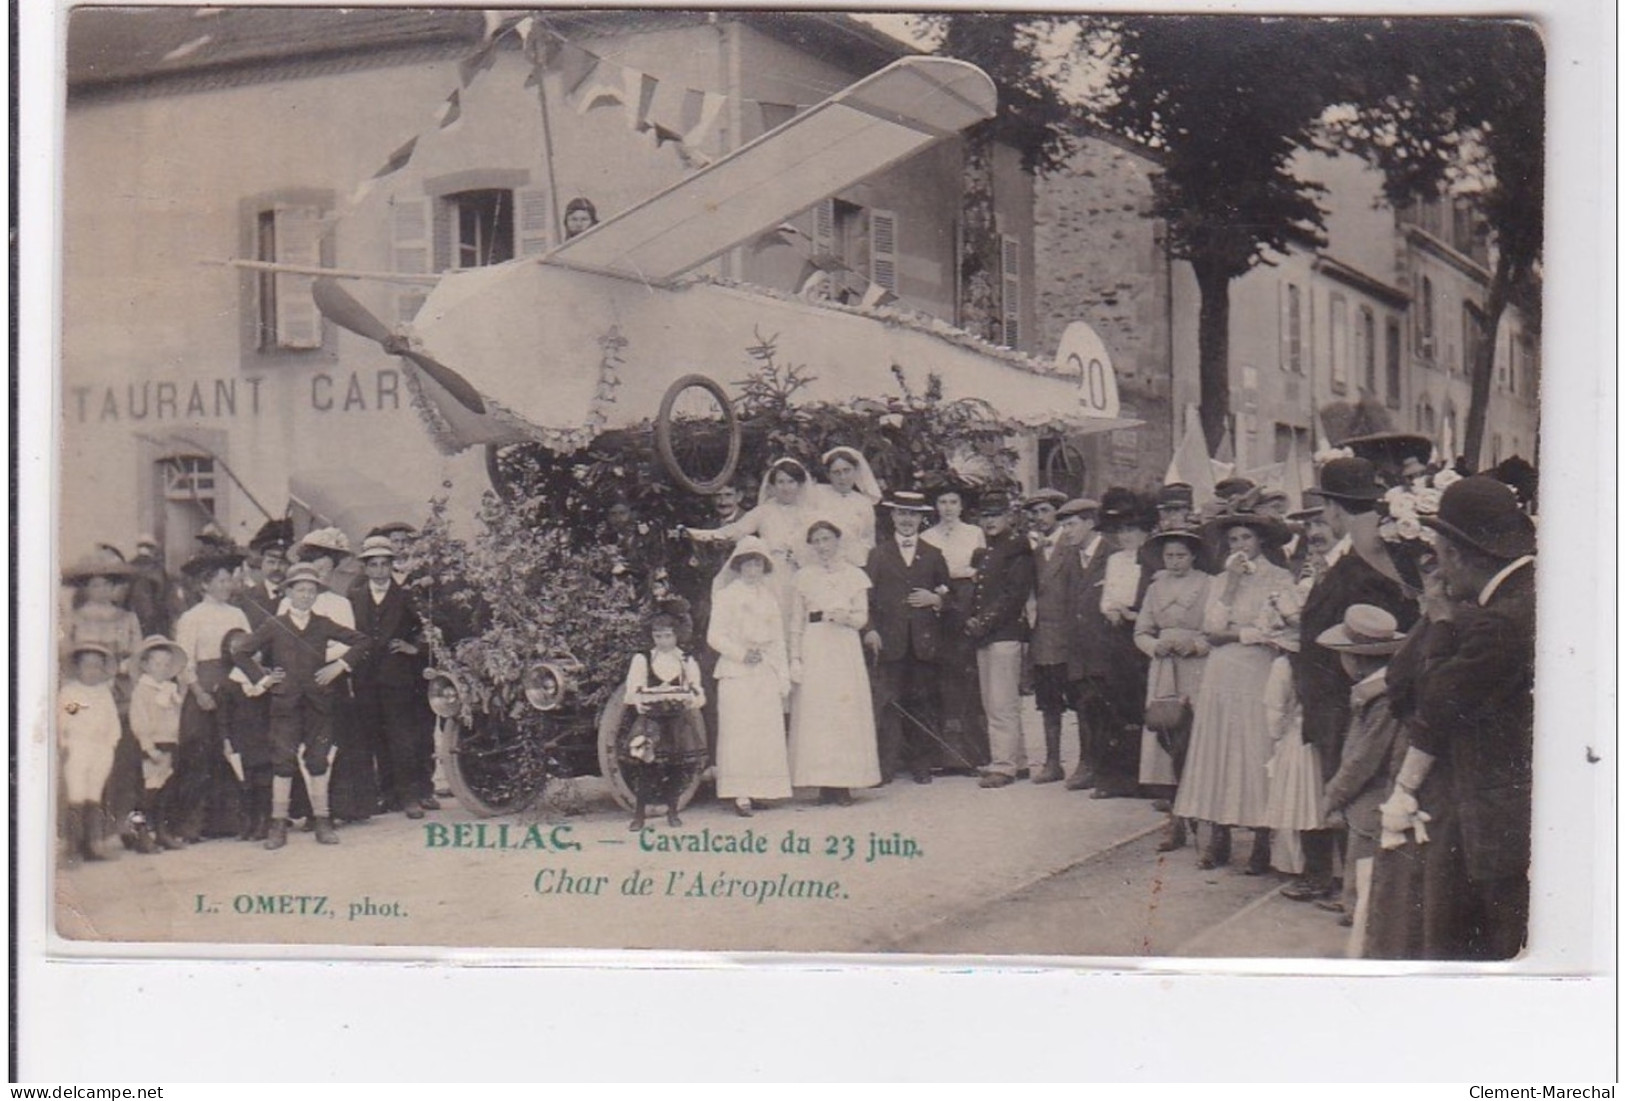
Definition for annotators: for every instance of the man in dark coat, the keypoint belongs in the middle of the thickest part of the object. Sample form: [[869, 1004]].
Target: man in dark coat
[[1358, 571], [1106, 668], [153, 598], [998, 626], [908, 583], [293, 646], [1475, 705], [268, 550], [388, 681], [1054, 583]]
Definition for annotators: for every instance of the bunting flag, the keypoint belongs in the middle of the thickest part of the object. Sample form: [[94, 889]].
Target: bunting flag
[[640, 93], [451, 110], [707, 108], [477, 62], [1190, 463], [397, 160], [574, 65], [604, 85]]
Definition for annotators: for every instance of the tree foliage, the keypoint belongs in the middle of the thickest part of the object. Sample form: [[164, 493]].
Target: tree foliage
[[1458, 106]]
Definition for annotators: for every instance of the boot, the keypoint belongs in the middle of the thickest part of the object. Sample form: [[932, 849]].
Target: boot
[[262, 828], [1173, 835], [325, 833], [1051, 772], [1216, 853], [277, 834], [89, 827], [72, 841], [1258, 861]]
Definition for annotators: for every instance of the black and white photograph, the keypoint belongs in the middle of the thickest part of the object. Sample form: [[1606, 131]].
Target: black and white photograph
[[1057, 487]]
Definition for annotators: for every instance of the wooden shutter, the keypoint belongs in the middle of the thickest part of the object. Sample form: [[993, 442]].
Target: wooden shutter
[[298, 231], [1010, 271], [883, 249], [410, 226], [532, 219], [824, 228]]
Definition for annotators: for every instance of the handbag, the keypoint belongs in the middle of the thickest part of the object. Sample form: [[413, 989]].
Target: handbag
[[1168, 715]]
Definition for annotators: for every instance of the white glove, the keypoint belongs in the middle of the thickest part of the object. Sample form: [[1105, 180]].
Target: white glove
[[1399, 815]]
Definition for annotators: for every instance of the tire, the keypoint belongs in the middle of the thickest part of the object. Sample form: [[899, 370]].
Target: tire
[[494, 768], [1064, 468], [493, 470], [611, 718], [667, 433]]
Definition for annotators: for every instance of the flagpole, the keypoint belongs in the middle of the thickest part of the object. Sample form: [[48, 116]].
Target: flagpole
[[547, 142]]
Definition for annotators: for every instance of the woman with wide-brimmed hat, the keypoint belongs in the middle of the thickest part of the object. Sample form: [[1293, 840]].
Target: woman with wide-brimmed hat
[[96, 616], [964, 726], [753, 680], [1169, 632], [1224, 782]]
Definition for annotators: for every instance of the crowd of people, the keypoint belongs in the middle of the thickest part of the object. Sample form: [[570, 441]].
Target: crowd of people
[[1349, 684], [248, 692]]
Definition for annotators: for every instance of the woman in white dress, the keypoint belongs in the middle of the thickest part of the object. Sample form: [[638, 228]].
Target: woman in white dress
[[1225, 782], [848, 501], [753, 681], [832, 722], [780, 520]]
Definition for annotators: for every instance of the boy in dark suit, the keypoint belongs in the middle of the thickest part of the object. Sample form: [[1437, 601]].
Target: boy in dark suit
[[294, 647], [387, 680], [1359, 571], [908, 579]]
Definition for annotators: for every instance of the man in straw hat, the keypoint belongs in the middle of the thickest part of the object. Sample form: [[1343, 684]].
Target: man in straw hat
[[1358, 571], [997, 625], [1364, 641], [908, 583], [293, 646], [387, 681], [1476, 705]]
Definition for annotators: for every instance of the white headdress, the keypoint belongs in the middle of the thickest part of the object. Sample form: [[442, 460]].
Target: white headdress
[[765, 494], [865, 482]]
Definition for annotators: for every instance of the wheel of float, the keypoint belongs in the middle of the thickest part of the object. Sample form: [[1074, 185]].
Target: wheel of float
[[612, 720], [1064, 468], [501, 480], [697, 423], [495, 768]]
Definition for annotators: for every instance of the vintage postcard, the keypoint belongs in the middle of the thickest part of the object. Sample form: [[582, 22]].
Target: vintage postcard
[[806, 482]]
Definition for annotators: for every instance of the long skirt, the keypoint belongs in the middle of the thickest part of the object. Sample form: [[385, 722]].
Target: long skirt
[[1225, 780], [353, 790], [832, 721], [1167, 676], [1418, 906], [752, 759]]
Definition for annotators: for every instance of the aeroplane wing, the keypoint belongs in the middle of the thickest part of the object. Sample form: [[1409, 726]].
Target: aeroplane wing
[[880, 120]]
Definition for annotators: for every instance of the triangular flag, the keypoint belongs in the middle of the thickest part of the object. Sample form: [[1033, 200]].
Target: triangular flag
[[493, 23], [666, 109], [710, 109], [640, 92], [525, 27], [775, 115], [575, 65], [1227, 450], [604, 86], [1190, 463], [476, 63], [451, 110], [397, 160]]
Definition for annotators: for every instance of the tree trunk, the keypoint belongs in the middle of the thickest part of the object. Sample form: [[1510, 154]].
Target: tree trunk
[[979, 239], [1213, 351], [1483, 365]]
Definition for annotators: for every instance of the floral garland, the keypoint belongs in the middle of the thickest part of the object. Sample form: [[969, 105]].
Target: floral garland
[[1403, 507]]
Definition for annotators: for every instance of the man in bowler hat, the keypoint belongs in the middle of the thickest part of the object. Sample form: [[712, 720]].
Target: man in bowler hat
[[1475, 705]]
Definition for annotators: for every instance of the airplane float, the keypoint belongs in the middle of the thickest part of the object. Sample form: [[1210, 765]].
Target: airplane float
[[615, 328]]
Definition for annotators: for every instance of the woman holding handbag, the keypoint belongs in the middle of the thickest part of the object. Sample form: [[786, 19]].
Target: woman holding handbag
[[1169, 632]]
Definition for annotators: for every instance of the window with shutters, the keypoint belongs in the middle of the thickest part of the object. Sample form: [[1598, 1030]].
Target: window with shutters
[[1339, 349], [883, 249], [1010, 279], [855, 253], [1365, 340], [1424, 321], [475, 229], [1291, 328], [286, 318], [1392, 365]]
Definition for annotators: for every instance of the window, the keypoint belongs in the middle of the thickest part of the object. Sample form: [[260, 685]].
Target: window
[[1010, 268], [286, 316], [864, 241], [1365, 343], [186, 501], [1291, 328], [476, 229], [1288, 435], [1424, 321], [1339, 343], [1393, 364], [1472, 335]]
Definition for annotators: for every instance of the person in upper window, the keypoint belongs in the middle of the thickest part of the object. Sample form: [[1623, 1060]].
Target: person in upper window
[[579, 216]]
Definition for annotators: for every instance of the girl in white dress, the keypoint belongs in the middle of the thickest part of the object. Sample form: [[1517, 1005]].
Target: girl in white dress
[[780, 521], [832, 723], [848, 501], [753, 681]]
